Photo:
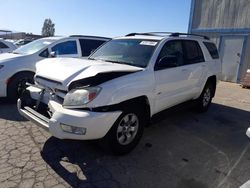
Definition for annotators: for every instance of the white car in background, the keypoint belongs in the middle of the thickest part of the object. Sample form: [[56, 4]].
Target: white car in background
[[18, 67], [6, 46]]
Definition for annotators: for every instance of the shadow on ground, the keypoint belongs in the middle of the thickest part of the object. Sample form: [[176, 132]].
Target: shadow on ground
[[8, 111], [180, 149]]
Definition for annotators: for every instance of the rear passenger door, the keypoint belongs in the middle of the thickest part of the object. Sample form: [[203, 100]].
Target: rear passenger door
[[194, 67], [88, 46]]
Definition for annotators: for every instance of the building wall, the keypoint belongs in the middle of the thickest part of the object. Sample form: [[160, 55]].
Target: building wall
[[221, 14], [21, 35], [218, 18]]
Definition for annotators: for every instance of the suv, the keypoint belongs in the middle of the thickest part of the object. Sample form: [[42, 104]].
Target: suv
[[114, 93], [18, 67]]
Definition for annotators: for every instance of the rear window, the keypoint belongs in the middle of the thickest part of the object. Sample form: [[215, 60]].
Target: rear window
[[193, 52], [88, 46], [212, 49]]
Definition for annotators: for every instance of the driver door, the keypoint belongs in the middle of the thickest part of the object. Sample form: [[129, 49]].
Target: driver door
[[171, 77]]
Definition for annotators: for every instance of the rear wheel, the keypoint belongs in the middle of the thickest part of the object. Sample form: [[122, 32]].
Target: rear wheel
[[205, 98], [126, 132], [17, 85]]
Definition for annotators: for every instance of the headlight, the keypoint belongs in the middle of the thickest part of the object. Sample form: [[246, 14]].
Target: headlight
[[79, 97], [1, 66]]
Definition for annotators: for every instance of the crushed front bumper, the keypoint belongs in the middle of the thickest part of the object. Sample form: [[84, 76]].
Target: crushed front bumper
[[96, 124]]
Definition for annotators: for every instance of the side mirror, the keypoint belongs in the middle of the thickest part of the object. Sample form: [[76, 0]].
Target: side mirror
[[167, 62], [52, 54]]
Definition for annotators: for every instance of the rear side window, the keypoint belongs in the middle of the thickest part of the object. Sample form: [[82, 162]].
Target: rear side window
[[212, 49], [88, 46], [2, 45], [193, 52], [65, 48]]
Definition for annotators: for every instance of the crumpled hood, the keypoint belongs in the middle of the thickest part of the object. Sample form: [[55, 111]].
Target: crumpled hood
[[8, 57], [67, 70]]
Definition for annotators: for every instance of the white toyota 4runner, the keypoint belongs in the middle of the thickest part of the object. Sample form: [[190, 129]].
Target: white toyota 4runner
[[114, 93]]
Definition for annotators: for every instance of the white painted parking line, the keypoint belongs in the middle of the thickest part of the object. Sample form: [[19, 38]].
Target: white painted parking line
[[246, 185]]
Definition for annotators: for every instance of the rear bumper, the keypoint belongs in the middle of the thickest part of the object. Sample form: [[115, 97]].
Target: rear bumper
[[97, 124]]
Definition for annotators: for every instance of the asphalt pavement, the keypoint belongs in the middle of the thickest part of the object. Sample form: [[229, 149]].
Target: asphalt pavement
[[180, 149]]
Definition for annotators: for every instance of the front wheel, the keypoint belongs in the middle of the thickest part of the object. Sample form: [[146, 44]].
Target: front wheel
[[125, 133], [17, 85]]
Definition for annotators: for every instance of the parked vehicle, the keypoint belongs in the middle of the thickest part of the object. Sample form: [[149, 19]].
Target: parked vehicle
[[19, 67], [245, 81], [22, 42], [6, 46], [248, 132], [114, 93]]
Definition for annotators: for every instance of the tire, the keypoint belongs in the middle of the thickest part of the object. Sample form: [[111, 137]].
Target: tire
[[205, 99], [125, 134], [17, 85]]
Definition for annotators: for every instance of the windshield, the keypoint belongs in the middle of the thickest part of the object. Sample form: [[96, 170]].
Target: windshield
[[34, 46], [135, 52]]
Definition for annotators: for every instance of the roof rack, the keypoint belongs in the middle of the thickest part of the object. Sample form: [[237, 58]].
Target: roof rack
[[171, 34], [90, 36], [149, 34], [189, 34]]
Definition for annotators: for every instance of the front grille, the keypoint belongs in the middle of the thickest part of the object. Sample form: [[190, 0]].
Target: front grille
[[48, 80], [49, 84]]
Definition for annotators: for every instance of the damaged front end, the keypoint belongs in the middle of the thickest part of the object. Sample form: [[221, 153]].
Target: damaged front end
[[58, 110]]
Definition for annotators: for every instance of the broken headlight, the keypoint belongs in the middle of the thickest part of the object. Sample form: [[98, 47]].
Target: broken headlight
[[77, 98]]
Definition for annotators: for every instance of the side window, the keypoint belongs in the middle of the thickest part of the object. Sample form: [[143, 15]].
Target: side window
[[193, 52], [171, 55], [44, 53], [88, 46], [2, 45], [212, 49], [64, 48]]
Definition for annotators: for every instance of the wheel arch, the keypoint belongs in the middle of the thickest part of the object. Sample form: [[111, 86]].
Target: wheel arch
[[18, 73], [140, 102]]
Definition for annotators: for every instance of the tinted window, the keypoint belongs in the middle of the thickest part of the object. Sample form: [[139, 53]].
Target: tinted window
[[172, 49], [193, 52], [88, 46], [44, 53], [65, 48], [2, 45], [212, 49]]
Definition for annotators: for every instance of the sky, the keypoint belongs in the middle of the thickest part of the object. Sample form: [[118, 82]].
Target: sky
[[96, 17]]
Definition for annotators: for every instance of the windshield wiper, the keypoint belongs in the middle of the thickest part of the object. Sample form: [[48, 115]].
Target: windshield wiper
[[118, 62]]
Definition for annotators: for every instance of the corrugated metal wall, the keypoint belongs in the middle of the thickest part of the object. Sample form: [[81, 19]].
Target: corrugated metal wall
[[221, 14], [218, 18]]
